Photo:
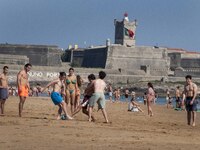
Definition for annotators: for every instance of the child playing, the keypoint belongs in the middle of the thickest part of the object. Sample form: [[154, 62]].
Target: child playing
[[98, 96], [58, 89], [87, 94]]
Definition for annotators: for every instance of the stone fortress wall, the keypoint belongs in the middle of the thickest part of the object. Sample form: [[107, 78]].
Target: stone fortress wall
[[40, 55], [124, 62], [13, 59], [41, 74], [115, 75], [183, 62]]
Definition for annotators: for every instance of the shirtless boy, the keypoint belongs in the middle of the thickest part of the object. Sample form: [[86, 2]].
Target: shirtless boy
[[3, 88], [58, 89], [189, 95], [23, 86], [98, 96]]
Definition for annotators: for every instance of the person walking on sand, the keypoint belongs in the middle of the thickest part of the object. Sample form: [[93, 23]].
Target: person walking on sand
[[3, 88], [189, 96], [150, 98], [98, 96], [58, 89], [71, 87], [23, 86]]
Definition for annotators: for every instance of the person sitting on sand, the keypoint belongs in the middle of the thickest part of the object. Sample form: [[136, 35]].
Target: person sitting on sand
[[134, 105], [56, 97], [87, 94], [98, 96]]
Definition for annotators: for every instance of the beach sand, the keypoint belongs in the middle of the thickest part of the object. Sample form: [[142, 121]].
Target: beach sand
[[39, 130]]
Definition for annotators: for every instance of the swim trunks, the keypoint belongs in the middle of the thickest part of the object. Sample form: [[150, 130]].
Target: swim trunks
[[56, 98], [85, 101], [3, 93], [189, 107], [178, 99], [23, 92], [99, 98]]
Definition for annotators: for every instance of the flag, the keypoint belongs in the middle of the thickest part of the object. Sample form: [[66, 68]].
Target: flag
[[129, 32]]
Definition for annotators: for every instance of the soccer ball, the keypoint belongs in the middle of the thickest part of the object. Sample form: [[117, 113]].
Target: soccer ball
[[63, 117]]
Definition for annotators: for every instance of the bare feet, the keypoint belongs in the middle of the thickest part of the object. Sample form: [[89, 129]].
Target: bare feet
[[58, 118], [106, 121], [69, 117], [93, 119], [193, 124]]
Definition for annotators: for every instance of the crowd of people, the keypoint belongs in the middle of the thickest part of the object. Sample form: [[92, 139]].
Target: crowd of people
[[67, 89]]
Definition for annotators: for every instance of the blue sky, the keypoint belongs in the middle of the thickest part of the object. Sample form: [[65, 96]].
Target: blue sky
[[170, 23]]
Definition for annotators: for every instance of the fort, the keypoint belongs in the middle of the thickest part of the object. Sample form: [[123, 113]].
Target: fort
[[124, 61]]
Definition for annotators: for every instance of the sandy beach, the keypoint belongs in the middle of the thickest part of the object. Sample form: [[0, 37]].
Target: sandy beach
[[38, 129]]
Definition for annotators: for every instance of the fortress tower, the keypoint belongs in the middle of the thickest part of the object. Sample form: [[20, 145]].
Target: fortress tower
[[125, 31], [124, 56]]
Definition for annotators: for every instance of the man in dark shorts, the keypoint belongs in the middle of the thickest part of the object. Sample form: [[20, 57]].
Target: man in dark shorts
[[3, 88], [189, 95]]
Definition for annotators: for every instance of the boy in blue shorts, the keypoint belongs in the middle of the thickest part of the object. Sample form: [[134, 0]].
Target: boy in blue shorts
[[58, 89]]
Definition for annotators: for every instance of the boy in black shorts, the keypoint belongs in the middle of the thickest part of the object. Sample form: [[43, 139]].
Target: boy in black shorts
[[87, 94]]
